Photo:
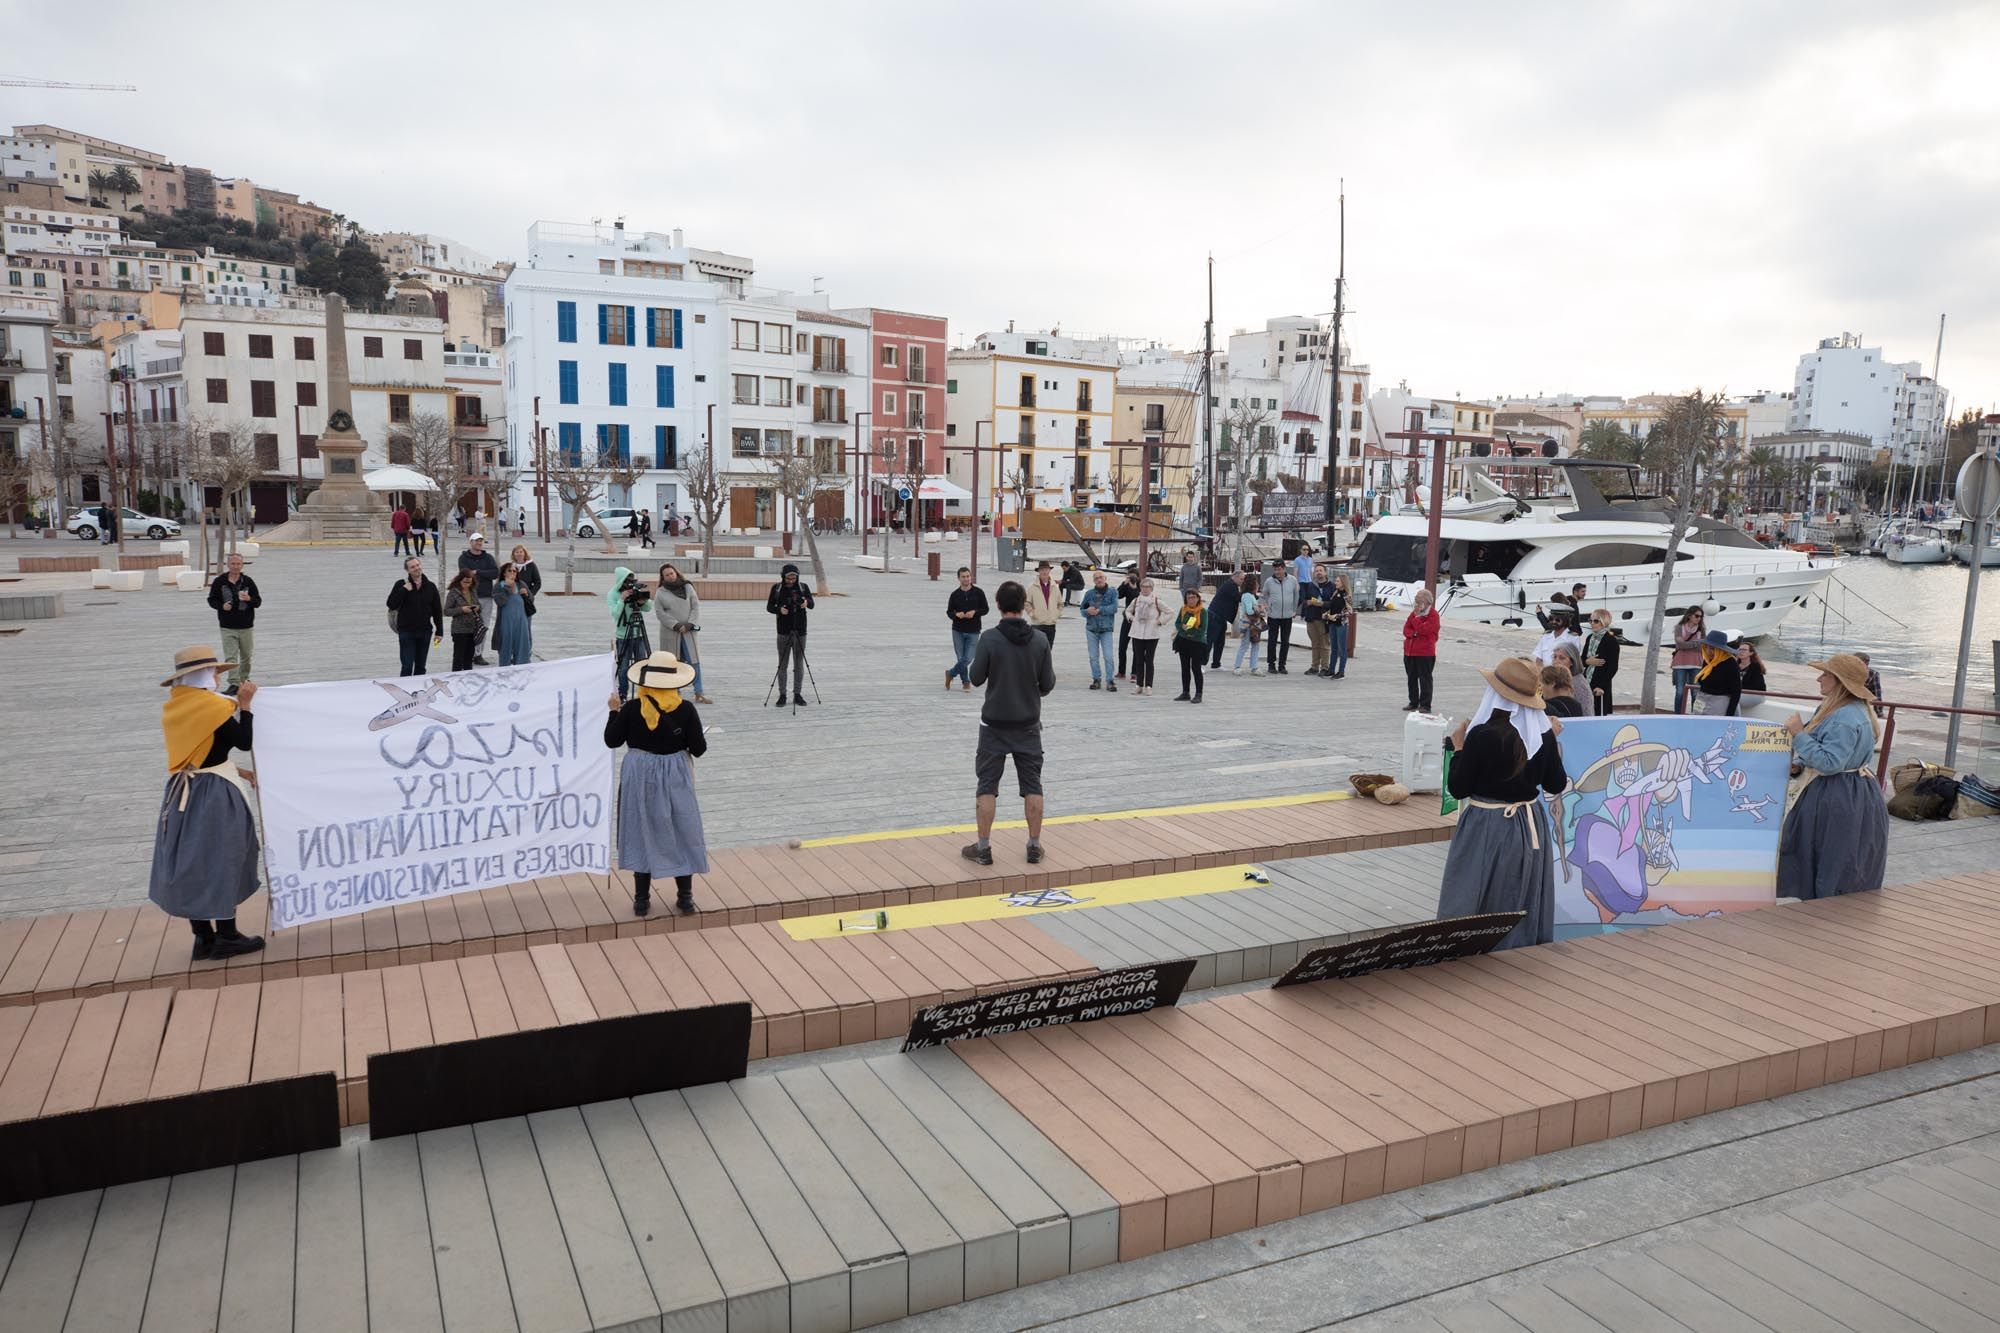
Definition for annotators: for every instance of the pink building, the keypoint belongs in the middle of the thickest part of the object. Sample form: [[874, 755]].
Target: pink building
[[905, 399]]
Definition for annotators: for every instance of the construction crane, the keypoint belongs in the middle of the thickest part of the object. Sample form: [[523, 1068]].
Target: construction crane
[[71, 87]]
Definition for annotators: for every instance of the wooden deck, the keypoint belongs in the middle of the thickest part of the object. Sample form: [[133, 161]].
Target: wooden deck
[[83, 954], [857, 1191]]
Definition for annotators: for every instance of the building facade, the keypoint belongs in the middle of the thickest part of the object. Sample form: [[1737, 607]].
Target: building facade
[[1050, 401], [1845, 387], [903, 360]]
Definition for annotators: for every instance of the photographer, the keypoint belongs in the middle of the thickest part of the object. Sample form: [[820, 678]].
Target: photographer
[[628, 600], [789, 601]]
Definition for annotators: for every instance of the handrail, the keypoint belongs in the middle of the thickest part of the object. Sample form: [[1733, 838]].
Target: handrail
[[1888, 714]]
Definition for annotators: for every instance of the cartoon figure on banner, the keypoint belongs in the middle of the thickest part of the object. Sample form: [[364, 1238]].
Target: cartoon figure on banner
[[1615, 824]]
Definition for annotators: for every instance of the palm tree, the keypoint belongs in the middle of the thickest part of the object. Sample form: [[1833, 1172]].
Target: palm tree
[[1607, 440], [122, 181], [1760, 461], [100, 184]]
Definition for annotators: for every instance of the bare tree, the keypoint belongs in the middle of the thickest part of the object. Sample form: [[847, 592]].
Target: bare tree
[[915, 475], [707, 495], [619, 474], [579, 483], [229, 463], [1687, 436], [16, 484], [801, 482], [1245, 439], [427, 443], [1015, 482]]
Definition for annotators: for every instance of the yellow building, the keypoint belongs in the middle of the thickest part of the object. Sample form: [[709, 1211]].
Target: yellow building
[[1164, 415]]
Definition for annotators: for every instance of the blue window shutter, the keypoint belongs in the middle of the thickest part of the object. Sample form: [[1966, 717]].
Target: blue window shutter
[[615, 387], [569, 442], [603, 323], [659, 446], [673, 446], [603, 439], [566, 381], [677, 328], [631, 326], [663, 386], [566, 321]]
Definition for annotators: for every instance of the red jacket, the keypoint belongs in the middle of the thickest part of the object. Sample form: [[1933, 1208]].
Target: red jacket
[[1420, 634]]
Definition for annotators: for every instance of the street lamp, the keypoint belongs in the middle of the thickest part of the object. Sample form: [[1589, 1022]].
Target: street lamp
[[861, 498]]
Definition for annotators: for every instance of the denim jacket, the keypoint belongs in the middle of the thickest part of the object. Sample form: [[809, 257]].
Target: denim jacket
[[1100, 609]]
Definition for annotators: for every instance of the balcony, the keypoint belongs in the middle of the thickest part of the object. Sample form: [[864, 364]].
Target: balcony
[[829, 365], [918, 373], [1026, 439], [1083, 403], [915, 421], [11, 360], [824, 416]]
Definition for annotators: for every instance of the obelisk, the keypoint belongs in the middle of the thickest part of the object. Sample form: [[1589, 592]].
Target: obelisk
[[343, 508]]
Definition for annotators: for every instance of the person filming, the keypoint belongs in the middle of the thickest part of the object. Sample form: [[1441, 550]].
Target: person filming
[[789, 601]]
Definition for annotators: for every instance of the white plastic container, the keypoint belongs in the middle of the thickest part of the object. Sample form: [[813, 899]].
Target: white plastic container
[[1423, 750]]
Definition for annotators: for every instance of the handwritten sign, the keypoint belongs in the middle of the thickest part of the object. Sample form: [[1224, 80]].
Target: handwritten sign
[[1406, 946], [399, 790], [1130, 990]]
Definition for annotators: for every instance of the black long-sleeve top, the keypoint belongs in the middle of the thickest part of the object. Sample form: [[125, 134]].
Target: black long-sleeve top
[[1725, 680], [231, 735], [235, 603], [1483, 770], [966, 599], [417, 610], [789, 602], [678, 730], [1607, 651]]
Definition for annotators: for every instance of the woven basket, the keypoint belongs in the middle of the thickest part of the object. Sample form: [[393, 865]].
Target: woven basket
[[1364, 784]]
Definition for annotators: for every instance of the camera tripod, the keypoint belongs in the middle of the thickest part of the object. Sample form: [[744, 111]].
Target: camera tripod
[[778, 678]]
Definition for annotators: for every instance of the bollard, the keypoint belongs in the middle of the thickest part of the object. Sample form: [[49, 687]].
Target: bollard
[[936, 563]]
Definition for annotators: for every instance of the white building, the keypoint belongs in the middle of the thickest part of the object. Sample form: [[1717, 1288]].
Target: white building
[[29, 157], [58, 231], [1842, 386], [1279, 372], [28, 389], [1049, 399]]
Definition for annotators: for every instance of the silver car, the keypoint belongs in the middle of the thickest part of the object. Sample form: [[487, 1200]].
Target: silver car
[[88, 524]]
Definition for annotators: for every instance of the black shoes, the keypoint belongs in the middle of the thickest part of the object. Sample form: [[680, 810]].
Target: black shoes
[[782, 699], [979, 856], [1096, 684], [231, 946], [642, 904], [1034, 853], [684, 904], [799, 699], [1183, 697]]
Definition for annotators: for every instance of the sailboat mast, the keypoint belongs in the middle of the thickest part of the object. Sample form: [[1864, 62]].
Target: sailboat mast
[[1937, 396], [1208, 401], [1331, 472]]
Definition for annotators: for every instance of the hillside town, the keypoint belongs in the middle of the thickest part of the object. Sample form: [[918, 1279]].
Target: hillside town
[[160, 327]]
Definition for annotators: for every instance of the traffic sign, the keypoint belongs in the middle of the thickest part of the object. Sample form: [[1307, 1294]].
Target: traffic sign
[[1979, 485], [903, 493]]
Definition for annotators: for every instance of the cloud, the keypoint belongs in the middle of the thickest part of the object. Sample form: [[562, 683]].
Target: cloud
[[1632, 197]]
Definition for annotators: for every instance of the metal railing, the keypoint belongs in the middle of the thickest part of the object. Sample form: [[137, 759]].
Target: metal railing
[[1885, 709]]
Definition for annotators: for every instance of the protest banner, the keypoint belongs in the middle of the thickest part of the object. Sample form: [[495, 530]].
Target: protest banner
[[1667, 818], [1406, 946], [380, 792], [1129, 990]]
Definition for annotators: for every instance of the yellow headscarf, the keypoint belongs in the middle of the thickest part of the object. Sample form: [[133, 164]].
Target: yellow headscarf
[[189, 720], [1713, 657], [655, 703]]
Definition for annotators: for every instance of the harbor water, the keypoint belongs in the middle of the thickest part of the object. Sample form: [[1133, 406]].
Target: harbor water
[[1905, 617]]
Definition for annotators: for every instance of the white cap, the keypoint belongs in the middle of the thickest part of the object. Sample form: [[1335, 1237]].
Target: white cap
[[477, 537]]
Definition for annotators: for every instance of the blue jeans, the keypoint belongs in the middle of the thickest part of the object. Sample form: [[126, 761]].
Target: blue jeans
[[680, 650], [414, 647], [1683, 678], [1246, 646], [1336, 640], [1102, 648], [962, 645]]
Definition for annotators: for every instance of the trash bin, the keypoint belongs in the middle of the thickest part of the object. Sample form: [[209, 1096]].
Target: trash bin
[[936, 563], [1013, 555], [1423, 750], [1361, 587]]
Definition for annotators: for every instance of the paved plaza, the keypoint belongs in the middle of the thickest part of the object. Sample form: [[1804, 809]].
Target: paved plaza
[[884, 747]]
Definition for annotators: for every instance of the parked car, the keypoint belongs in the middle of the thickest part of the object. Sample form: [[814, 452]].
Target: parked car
[[614, 521], [88, 524]]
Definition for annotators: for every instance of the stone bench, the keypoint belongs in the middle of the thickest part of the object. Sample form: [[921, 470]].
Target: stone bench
[[144, 562], [57, 564], [30, 605], [879, 563], [118, 580]]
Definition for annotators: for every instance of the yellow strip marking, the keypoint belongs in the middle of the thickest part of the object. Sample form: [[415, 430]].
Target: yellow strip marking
[[1155, 812], [994, 907]]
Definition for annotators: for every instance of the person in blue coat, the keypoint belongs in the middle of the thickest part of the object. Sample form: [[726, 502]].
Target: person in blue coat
[[1836, 837], [1100, 623]]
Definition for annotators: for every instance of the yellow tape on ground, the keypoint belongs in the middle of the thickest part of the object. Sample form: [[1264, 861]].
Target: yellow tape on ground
[[993, 907], [1154, 812]]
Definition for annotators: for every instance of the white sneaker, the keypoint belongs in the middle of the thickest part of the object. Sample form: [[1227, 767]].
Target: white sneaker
[[1236, 671], [1256, 671]]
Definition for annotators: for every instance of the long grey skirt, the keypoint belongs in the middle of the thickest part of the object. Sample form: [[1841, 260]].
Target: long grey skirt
[[659, 821], [1494, 867], [1836, 838], [205, 858]]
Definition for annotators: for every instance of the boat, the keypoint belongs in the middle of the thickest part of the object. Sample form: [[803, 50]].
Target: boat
[[1988, 558], [1598, 531], [1911, 543]]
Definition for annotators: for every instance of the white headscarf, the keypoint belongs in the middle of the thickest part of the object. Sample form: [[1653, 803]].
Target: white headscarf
[[1530, 724], [204, 679]]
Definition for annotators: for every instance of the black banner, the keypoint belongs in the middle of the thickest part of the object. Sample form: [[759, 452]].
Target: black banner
[[1130, 990], [1406, 946]]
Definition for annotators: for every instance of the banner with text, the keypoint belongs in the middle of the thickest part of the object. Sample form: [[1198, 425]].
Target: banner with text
[[380, 792]]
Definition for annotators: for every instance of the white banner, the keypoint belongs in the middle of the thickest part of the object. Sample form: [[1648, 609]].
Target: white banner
[[379, 792]]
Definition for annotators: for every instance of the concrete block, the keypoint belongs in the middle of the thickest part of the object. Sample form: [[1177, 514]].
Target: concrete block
[[248, 550], [30, 605], [191, 580], [170, 575], [635, 551], [125, 580], [951, 536], [933, 538], [762, 553], [876, 562], [100, 578], [174, 548]]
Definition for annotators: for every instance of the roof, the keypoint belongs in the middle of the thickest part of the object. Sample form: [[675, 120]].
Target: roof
[[823, 317], [1526, 419]]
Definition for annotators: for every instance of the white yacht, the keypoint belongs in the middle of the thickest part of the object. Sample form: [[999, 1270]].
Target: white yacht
[[1603, 534], [1909, 542], [1961, 550]]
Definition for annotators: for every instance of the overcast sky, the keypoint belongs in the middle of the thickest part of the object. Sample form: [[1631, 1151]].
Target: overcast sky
[[1612, 198]]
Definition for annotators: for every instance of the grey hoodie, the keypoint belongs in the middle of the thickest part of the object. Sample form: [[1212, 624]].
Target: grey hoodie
[[1014, 664]]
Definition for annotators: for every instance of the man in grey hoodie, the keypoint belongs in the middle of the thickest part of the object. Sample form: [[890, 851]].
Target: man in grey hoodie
[[1015, 666]]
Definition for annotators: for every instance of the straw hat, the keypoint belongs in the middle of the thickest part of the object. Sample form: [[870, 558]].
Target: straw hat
[[200, 658], [661, 671], [1518, 679], [1850, 671], [1625, 744]]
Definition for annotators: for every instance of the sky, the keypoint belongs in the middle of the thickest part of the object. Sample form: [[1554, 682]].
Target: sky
[[1541, 198]]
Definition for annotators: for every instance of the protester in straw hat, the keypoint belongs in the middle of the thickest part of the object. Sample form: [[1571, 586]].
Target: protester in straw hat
[[659, 820], [1503, 758], [205, 849], [1836, 837]]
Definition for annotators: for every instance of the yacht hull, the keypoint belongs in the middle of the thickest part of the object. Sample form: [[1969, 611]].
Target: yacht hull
[[1917, 553]]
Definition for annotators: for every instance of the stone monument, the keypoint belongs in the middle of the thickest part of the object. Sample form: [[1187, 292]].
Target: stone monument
[[343, 508]]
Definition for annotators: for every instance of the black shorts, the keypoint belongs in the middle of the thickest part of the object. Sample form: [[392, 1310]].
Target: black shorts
[[995, 744]]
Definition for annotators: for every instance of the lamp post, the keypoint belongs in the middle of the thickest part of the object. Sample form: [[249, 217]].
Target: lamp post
[[978, 452], [860, 457]]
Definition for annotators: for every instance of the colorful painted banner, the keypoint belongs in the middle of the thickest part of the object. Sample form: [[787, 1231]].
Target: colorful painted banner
[[1667, 818], [380, 792]]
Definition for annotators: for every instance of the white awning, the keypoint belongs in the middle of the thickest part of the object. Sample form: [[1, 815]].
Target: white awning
[[395, 477]]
